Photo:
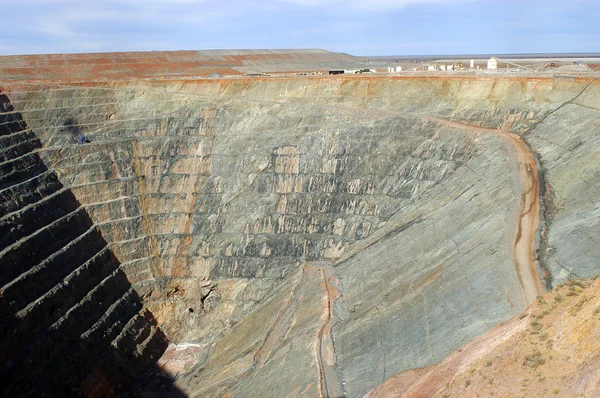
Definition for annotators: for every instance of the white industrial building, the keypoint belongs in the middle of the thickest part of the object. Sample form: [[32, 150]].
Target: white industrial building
[[492, 63]]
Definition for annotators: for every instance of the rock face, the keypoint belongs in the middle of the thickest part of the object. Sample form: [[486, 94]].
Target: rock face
[[310, 236]]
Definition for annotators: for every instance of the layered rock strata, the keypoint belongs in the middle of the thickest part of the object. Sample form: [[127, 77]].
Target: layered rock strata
[[317, 236]]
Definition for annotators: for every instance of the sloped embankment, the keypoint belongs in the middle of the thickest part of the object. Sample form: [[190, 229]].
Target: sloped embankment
[[551, 349]]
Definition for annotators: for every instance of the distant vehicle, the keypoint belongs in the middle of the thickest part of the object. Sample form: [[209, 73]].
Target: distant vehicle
[[81, 139]]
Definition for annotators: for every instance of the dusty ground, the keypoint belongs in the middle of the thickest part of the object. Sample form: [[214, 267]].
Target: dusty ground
[[552, 349]]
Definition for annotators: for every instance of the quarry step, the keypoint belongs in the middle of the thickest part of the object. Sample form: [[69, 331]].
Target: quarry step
[[20, 292], [105, 190], [16, 145], [51, 306], [19, 150], [28, 192], [62, 340], [11, 123], [133, 327], [130, 249], [7, 141], [147, 351], [71, 325], [139, 269], [96, 302], [19, 162], [113, 320], [25, 254], [18, 170], [35, 216], [135, 332], [115, 365]]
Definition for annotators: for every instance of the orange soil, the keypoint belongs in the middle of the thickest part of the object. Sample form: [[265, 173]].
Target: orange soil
[[552, 349]]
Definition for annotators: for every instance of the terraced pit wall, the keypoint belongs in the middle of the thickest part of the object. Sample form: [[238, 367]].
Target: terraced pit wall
[[71, 322], [351, 228]]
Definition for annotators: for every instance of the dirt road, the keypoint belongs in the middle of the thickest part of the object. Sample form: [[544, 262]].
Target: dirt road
[[529, 210]]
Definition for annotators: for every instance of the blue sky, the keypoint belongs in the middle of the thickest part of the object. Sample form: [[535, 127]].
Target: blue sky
[[367, 27]]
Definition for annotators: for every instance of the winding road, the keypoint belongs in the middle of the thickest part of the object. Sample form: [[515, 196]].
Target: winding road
[[529, 209]]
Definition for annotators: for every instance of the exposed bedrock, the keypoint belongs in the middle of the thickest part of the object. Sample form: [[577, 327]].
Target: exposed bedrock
[[310, 236]]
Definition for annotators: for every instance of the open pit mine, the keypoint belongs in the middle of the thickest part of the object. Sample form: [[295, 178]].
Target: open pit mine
[[167, 232]]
